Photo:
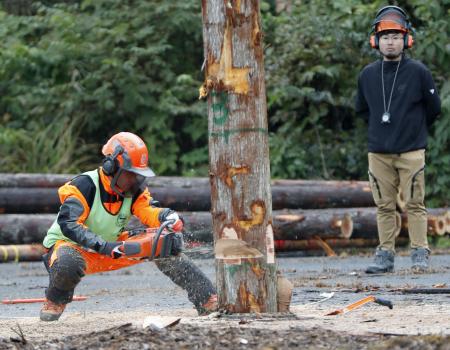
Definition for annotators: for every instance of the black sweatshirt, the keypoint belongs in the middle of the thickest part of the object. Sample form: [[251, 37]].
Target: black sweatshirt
[[414, 107]]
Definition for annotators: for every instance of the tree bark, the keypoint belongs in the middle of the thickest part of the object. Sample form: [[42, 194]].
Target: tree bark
[[239, 156]]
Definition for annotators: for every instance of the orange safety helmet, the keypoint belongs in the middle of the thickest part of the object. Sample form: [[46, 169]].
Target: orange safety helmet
[[126, 151], [391, 18]]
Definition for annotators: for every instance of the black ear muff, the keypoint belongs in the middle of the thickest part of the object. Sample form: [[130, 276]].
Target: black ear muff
[[110, 163]]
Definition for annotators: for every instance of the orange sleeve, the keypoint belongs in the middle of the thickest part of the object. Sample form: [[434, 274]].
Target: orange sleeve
[[67, 191], [144, 211]]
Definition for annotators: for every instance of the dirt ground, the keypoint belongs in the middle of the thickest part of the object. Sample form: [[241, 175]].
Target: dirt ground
[[119, 302]]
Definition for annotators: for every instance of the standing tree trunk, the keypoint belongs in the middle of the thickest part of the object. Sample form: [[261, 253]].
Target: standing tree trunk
[[241, 203]]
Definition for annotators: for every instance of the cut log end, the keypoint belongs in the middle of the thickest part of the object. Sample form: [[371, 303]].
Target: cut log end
[[347, 226], [447, 221], [437, 225]]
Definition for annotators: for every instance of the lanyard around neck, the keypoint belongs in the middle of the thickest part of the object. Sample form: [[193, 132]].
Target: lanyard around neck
[[392, 89]]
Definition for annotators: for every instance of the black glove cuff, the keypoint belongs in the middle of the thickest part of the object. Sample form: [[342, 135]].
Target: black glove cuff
[[164, 213], [108, 247], [177, 244]]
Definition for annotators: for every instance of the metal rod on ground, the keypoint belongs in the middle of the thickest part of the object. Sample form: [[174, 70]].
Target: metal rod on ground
[[37, 300]]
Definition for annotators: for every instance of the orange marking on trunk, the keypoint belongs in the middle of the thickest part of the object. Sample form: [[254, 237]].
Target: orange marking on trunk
[[235, 171], [248, 300], [258, 271], [258, 211], [256, 32], [223, 73]]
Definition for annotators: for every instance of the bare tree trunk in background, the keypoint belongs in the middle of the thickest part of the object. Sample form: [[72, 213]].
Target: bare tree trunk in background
[[239, 156]]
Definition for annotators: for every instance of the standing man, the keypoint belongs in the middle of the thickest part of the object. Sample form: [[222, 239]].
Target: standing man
[[87, 236], [398, 97]]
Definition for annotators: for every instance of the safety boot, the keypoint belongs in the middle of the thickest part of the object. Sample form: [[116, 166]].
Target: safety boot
[[51, 311], [210, 306], [420, 259], [383, 262]]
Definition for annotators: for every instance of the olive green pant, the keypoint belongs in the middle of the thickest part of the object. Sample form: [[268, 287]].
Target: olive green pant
[[389, 173]]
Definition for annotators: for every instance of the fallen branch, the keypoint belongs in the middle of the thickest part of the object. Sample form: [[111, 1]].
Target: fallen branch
[[426, 291]]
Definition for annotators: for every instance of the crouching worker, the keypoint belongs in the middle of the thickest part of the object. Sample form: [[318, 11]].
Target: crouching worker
[[88, 234]]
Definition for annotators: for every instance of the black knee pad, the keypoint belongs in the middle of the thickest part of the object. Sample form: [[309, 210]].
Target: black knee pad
[[67, 270]]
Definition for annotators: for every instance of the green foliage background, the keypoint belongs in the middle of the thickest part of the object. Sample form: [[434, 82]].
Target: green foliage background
[[74, 72]]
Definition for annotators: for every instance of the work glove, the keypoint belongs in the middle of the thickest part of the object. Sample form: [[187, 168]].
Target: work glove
[[170, 215], [118, 249]]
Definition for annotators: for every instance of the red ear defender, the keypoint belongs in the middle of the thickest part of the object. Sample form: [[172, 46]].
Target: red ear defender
[[374, 41], [409, 41]]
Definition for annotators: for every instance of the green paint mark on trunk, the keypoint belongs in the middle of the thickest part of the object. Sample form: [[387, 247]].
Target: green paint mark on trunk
[[219, 107], [227, 133]]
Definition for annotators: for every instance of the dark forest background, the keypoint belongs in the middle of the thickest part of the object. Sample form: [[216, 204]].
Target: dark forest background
[[74, 72]]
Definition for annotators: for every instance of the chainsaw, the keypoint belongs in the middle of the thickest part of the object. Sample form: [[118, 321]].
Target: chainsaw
[[152, 243]]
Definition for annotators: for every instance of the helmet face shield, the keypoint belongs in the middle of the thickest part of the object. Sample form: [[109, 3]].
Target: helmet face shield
[[127, 184], [391, 19], [144, 172]]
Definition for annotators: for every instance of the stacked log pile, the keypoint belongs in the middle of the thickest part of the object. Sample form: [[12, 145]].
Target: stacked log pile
[[35, 193], [307, 215]]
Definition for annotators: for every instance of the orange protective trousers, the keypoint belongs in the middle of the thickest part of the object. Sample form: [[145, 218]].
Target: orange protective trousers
[[96, 262]]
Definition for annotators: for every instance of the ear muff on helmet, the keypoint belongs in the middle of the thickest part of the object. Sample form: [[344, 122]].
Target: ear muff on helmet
[[110, 163], [391, 18], [409, 41], [374, 42]]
